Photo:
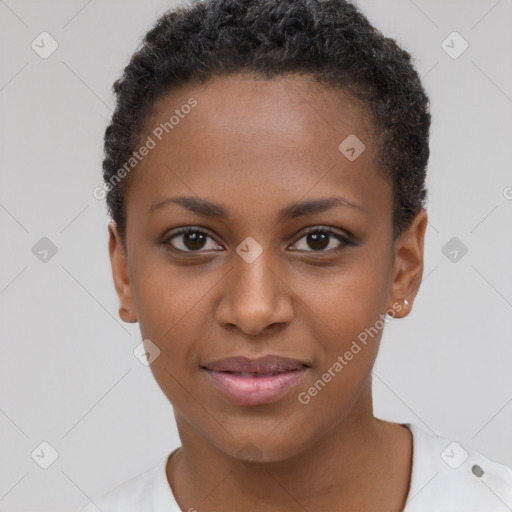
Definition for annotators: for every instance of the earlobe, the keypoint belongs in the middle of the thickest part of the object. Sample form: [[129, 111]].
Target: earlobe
[[408, 266], [120, 275]]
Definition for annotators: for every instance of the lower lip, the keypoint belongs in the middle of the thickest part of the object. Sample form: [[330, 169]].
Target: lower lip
[[246, 390]]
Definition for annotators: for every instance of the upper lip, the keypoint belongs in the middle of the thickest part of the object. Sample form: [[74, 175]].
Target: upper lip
[[266, 364]]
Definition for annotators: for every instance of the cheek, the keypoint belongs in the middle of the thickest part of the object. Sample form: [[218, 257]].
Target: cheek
[[346, 345], [350, 298], [347, 310], [165, 298], [173, 313]]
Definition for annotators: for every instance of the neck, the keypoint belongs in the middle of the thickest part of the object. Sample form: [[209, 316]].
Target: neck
[[363, 462]]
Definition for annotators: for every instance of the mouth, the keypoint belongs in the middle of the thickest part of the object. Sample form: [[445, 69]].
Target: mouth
[[260, 381], [270, 364]]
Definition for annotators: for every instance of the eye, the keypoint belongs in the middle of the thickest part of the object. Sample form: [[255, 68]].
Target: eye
[[320, 238], [190, 239]]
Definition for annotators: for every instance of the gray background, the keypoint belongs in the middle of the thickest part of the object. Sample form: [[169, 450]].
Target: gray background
[[67, 372]]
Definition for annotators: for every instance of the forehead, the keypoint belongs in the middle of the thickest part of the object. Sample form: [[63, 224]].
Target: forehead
[[245, 135], [296, 103]]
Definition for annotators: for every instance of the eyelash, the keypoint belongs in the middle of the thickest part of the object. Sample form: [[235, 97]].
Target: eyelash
[[345, 241]]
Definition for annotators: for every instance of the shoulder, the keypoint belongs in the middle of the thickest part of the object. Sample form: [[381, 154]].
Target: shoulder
[[448, 477], [146, 492]]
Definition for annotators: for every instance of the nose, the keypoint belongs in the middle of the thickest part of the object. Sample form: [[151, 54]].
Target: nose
[[255, 297]]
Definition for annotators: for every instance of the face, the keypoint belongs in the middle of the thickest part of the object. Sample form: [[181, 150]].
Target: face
[[288, 252]]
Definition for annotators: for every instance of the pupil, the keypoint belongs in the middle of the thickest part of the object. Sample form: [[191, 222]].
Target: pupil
[[318, 237], [196, 240]]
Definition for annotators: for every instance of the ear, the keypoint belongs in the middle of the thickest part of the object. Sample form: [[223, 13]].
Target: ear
[[121, 275], [408, 266]]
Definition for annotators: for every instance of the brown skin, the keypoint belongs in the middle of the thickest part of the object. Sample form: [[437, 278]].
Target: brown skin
[[255, 147]]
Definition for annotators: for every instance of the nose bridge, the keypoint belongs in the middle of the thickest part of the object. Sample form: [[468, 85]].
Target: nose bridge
[[255, 296], [255, 278]]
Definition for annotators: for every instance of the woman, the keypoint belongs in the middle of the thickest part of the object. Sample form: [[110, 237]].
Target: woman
[[265, 174]]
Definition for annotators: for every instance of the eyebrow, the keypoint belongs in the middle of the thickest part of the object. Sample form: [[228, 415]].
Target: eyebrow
[[292, 211]]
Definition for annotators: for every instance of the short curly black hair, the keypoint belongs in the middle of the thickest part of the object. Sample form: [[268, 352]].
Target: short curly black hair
[[329, 40]]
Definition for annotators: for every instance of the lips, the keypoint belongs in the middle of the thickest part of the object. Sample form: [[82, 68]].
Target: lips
[[245, 381], [267, 364]]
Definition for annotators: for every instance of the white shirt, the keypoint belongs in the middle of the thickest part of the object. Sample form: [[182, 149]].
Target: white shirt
[[445, 477]]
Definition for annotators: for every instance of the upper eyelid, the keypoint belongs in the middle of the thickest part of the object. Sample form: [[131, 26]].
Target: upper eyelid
[[189, 229], [323, 227]]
